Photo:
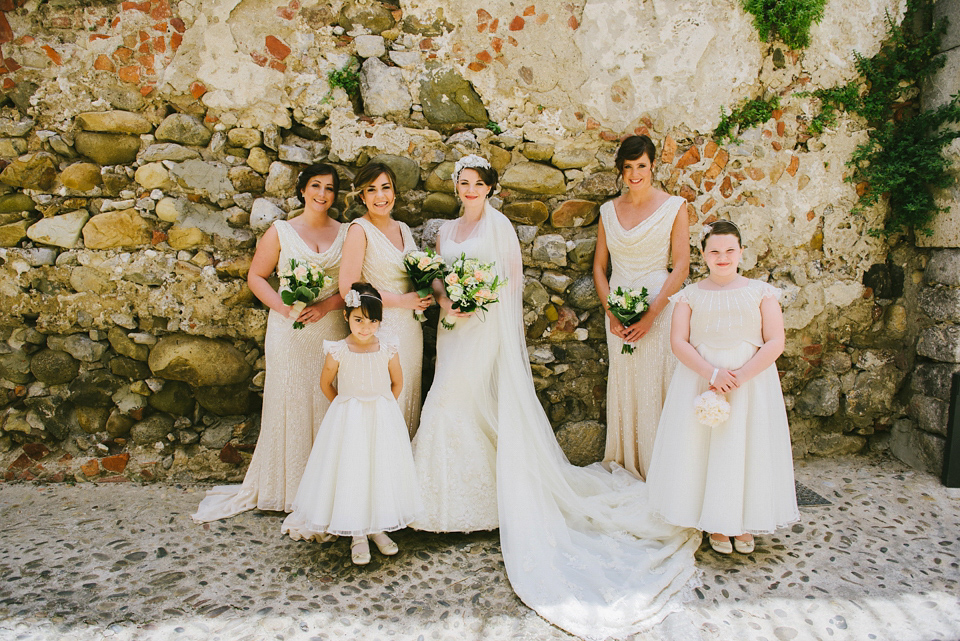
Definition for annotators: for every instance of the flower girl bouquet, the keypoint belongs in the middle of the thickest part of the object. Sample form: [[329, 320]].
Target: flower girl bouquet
[[300, 284], [471, 285], [627, 305], [711, 408], [423, 267]]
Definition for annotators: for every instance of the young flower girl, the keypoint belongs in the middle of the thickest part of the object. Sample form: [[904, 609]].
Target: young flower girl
[[360, 478], [725, 469]]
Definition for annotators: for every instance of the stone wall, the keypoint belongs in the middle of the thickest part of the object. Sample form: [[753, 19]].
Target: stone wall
[[920, 440], [145, 145]]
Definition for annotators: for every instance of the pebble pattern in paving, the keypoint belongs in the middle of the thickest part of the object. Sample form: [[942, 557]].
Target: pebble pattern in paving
[[126, 562]]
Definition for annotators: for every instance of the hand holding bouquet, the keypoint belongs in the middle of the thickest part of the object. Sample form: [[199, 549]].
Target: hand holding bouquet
[[627, 305], [423, 267], [711, 408], [300, 285], [471, 286]]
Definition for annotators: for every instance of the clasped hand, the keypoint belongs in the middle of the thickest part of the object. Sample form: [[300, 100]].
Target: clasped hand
[[412, 301], [447, 305], [725, 381], [634, 332], [311, 313]]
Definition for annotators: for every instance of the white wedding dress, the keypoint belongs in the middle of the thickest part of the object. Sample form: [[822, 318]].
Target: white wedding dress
[[580, 545]]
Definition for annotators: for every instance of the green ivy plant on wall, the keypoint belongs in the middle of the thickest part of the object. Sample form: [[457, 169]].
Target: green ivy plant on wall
[[750, 114], [788, 20], [346, 78], [902, 160]]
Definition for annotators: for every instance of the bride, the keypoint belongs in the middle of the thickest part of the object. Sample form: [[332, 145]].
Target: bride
[[579, 544]]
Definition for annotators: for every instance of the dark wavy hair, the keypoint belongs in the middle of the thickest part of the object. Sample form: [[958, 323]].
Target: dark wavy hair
[[371, 305], [320, 169], [721, 228], [635, 147]]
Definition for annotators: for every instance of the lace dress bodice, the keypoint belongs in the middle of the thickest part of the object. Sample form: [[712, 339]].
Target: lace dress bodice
[[362, 375], [726, 318]]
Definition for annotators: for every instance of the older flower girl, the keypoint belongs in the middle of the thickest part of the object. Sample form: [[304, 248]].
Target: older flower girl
[[360, 478], [725, 469]]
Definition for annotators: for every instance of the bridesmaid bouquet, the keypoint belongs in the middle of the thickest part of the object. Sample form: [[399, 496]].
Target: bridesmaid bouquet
[[423, 267], [471, 285], [711, 408], [627, 305], [300, 284]]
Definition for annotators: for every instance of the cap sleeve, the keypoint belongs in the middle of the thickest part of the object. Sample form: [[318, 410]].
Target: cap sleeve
[[683, 296], [335, 349], [390, 346], [767, 290]]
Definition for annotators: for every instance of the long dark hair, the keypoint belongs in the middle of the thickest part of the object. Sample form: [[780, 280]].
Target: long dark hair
[[319, 169]]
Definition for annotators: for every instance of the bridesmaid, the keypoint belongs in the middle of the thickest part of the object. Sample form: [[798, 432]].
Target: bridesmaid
[[373, 252], [293, 403], [640, 232]]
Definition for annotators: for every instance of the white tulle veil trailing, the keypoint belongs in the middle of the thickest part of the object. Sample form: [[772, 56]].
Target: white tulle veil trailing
[[580, 546]]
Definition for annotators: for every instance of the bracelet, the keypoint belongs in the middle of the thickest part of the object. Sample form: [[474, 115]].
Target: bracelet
[[716, 370]]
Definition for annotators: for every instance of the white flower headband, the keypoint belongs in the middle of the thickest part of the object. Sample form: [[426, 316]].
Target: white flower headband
[[352, 299], [471, 161], [706, 229]]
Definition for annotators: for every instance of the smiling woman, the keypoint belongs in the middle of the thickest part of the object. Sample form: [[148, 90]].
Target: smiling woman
[[293, 403], [373, 252], [640, 233]]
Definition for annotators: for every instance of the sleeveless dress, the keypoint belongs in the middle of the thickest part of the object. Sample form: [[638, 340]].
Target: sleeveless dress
[[383, 268], [736, 477], [359, 478], [455, 449], [293, 404], [637, 382]]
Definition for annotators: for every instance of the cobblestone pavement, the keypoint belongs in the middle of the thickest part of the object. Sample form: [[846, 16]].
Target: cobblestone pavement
[[126, 562]]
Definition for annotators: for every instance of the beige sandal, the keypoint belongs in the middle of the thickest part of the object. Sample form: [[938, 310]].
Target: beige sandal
[[743, 547], [721, 547], [385, 544], [360, 551]]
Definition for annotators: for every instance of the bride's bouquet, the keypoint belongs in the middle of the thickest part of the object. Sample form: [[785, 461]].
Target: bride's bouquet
[[627, 305], [471, 285], [423, 267], [711, 408], [300, 284]]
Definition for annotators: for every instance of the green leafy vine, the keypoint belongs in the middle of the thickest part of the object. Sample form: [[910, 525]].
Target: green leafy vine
[[902, 160], [789, 20], [750, 114]]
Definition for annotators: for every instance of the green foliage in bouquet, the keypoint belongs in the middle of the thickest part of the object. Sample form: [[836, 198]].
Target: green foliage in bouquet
[[789, 20]]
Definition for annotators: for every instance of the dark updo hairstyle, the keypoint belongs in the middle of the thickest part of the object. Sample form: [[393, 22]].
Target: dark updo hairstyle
[[370, 172], [720, 228], [320, 169], [634, 147], [488, 175], [371, 305]]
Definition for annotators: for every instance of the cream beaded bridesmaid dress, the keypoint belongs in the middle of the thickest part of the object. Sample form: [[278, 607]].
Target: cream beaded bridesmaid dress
[[293, 404], [637, 383], [383, 268]]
